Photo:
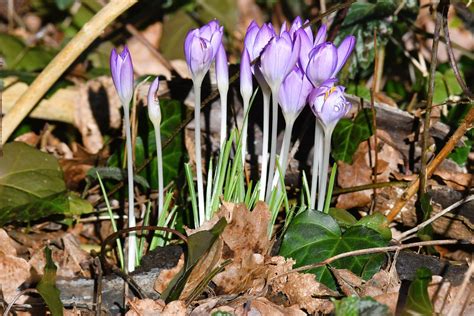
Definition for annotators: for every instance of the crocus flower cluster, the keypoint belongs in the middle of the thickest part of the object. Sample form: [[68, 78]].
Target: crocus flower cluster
[[297, 68]]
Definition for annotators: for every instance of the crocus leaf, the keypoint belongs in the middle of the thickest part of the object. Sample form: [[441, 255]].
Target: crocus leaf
[[360, 306], [47, 286], [198, 245], [314, 236], [32, 186], [349, 134], [418, 300], [377, 222]]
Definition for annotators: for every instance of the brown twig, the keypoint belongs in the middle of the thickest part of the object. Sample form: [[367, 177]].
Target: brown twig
[[448, 147], [452, 59], [406, 235], [440, 11], [367, 251], [373, 90], [462, 289], [370, 186]]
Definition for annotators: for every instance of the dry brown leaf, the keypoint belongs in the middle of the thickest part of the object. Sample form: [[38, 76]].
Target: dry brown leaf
[[299, 288], [348, 281], [360, 172], [175, 308], [442, 294], [70, 259], [384, 287], [166, 275], [145, 307], [268, 308], [14, 272], [203, 268], [454, 176], [246, 243], [205, 307]]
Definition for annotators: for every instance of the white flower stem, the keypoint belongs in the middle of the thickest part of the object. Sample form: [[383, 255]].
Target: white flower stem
[[159, 165], [132, 243], [197, 146], [285, 148], [271, 167], [244, 131], [324, 167], [318, 135], [266, 127], [223, 94]]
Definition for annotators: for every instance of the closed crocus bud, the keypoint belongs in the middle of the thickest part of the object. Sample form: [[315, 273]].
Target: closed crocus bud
[[294, 92], [322, 63], [278, 59], [222, 69], [121, 68], [154, 112], [246, 87], [325, 60], [213, 32], [328, 103]]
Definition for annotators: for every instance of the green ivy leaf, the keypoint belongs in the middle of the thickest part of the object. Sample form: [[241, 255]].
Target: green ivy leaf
[[47, 286], [18, 56], [377, 222], [198, 245], [32, 186], [418, 300], [360, 306], [460, 154], [343, 218], [314, 236], [349, 134]]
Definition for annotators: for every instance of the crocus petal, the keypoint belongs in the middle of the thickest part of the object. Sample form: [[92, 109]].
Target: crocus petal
[[250, 36], [264, 35], [222, 69], [329, 104], [187, 44], [246, 86], [306, 46], [126, 76], [283, 28], [113, 68], [201, 57], [275, 59], [321, 35], [216, 41], [343, 52], [322, 63], [295, 25], [154, 111]]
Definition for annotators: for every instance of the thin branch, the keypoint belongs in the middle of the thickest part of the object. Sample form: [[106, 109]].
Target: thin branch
[[462, 289], [444, 152], [76, 46], [24, 292], [452, 59], [370, 186], [406, 235], [367, 251], [440, 12]]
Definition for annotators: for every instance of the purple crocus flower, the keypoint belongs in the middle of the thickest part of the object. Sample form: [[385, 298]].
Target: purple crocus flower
[[325, 60], [121, 68], [294, 92], [257, 38], [278, 59], [328, 103], [200, 48]]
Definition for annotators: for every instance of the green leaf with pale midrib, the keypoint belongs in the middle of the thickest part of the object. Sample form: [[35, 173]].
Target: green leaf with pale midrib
[[313, 237]]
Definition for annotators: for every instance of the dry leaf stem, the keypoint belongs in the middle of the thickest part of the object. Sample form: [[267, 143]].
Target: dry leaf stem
[[429, 102], [77, 45], [444, 152]]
